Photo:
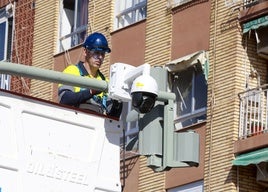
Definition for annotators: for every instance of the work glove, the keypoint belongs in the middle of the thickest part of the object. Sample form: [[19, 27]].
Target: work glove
[[94, 92]]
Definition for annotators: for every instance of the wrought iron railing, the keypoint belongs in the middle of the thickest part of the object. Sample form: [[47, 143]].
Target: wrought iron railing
[[241, 4], [73, 39], [249, 3], [253, 112], [134, 13]]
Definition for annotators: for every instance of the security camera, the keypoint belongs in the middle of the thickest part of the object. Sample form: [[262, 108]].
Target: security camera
[[144, 92]]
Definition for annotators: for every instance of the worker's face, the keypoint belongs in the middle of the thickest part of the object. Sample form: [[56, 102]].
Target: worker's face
[[94, 58]]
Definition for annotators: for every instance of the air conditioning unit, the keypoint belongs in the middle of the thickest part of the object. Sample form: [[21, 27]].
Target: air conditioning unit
[[262, 173], [262, 42]]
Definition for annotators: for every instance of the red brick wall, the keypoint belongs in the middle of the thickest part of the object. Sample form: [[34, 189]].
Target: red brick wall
[[23, 42], [246, 180], [3, 3]]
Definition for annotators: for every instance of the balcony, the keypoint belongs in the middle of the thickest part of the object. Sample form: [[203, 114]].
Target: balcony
[[252, 9], [253, 112]]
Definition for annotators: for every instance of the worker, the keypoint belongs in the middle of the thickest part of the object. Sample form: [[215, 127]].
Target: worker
[[94, 49]]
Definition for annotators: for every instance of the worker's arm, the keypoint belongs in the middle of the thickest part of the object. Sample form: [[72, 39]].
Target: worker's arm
[[71, 98]]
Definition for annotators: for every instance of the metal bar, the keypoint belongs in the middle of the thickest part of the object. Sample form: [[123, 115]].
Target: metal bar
[[51, 76], [77, 30], [241, 118], [132, 8], [165, 96], [256, 88], [253, 112], [63, 78]]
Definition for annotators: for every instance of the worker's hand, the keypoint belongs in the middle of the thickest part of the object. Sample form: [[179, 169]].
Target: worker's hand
[[94, 92]]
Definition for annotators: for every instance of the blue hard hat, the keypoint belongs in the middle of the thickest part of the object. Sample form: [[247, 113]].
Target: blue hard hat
[[97, 42]]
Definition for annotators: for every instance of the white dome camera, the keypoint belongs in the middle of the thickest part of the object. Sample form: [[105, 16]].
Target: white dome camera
[[144, 92]]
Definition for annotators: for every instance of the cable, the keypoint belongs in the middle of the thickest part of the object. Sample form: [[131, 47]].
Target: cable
[[93, 18], [212, 94], [67, 56], [124, 159], [14, 40]]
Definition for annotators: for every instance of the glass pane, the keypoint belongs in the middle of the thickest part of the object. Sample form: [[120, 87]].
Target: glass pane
[[200, 90], [82, 13], [67, 24], [121, 5], [82, 21], [2, 40], [68, 16], [183, 90], [129, 3], [191, 92]]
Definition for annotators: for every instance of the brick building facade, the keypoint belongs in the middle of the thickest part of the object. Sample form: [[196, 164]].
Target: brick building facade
[[170, 31]]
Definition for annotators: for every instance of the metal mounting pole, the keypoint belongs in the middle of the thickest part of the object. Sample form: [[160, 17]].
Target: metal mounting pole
[[63, 78], [51, 76]]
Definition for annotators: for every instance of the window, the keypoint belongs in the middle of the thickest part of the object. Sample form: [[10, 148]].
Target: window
[[174, 3], [188, 81], [192, 187], [128, 12], [248, 3], [131, 129], [73, 23], [191, 92], [5, 44]]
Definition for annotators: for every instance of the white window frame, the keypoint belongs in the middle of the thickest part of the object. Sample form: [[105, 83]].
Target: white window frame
[[128, 12], [174, 3], [4, 18], [197, 186], [69, 29]]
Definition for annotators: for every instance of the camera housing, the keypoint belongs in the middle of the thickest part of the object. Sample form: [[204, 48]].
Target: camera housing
[[143, 102], [144, 93]]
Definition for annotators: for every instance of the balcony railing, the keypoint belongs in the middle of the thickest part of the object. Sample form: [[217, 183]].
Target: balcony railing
[[249, 3], [253, 112], [72, 39], [242, 4]]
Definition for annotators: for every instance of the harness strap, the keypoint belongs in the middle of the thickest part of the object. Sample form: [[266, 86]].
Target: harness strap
[[84, 72]]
